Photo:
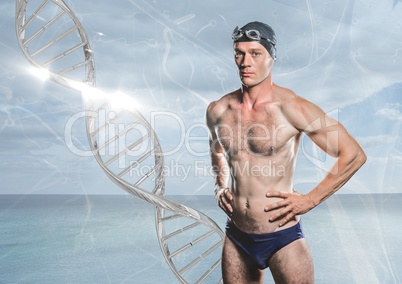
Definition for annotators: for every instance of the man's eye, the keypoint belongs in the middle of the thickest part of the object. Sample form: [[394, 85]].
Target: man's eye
[[256, 53], [238, 54]]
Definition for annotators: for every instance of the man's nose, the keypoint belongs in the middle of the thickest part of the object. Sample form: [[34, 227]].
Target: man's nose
[[246, 61]]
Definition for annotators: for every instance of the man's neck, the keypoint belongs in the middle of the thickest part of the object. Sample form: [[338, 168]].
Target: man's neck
[[257, 94]]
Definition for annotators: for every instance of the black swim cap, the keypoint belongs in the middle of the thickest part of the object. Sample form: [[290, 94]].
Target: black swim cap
[[257, 31]]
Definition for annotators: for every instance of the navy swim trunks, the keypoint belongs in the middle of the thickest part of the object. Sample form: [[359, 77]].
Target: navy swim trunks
[[261, 247]]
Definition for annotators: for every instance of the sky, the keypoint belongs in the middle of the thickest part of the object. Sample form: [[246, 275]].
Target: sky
[[174, 57]]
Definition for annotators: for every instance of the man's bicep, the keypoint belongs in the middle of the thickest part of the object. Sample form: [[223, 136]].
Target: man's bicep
[[322, 129], [215, 147], [331, 138]]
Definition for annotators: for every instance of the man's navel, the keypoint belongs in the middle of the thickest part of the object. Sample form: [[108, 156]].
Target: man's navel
[[247, 204]]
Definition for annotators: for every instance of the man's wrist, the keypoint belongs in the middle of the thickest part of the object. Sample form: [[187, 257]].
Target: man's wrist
[[218, 191], [312, 201]]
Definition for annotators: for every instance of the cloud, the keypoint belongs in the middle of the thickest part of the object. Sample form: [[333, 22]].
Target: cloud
[[334, 46], [177, 57], [375, 141], [391, 111]]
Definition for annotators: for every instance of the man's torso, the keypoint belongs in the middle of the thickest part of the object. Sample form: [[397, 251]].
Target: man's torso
[[261, 148]]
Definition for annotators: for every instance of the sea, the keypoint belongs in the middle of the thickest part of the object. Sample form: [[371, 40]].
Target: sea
[[112, 239]]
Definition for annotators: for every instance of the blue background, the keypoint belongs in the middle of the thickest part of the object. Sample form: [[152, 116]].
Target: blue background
[[174, 57]]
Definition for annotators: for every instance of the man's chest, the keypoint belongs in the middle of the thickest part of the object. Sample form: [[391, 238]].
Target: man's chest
[[262, 132]]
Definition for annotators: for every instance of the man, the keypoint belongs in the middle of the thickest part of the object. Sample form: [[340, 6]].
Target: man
[[255, 133]]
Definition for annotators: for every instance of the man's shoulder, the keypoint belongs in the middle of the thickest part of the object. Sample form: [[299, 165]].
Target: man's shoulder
[[286, 95], [290, 100], [299, 111], [216, 108]]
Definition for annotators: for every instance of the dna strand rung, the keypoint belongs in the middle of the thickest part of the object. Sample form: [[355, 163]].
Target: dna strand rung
[[122, 141], [62, 55], [126, 147], [180, 240]]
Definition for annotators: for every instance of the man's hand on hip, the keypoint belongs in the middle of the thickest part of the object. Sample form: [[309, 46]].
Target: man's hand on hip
[[225, 201], [293, 204]]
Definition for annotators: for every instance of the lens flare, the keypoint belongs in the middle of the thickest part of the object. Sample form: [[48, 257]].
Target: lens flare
[[40, 73]]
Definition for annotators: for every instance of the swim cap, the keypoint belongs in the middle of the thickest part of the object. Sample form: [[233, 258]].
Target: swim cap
[[257, 31]]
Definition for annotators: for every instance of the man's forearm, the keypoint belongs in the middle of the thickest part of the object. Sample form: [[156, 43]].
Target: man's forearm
[[221, 173], [343, 169]]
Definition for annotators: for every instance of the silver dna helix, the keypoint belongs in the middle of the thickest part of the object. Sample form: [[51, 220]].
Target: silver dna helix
[[53, 40]]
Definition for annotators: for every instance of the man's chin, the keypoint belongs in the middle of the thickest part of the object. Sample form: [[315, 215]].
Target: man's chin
[[248, 83]]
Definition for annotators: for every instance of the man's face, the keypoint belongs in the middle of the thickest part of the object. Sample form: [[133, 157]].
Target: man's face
[[254, 62]]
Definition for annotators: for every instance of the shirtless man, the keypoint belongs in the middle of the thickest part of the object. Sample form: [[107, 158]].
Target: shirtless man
[[255, 133]]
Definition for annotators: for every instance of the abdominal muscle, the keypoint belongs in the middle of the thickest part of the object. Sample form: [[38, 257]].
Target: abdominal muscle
[[249, 202]]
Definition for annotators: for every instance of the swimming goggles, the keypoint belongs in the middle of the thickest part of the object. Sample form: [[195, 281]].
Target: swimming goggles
[[250, 34]]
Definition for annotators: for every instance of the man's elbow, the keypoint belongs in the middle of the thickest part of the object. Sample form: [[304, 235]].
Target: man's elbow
[[359, 158], [362, 157], [354, 157]]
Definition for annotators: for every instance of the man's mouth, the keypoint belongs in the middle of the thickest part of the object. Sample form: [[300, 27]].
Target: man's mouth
[[246, 74]]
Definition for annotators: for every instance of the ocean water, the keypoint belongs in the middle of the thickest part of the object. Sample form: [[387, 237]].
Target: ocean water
[[112, 239]]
